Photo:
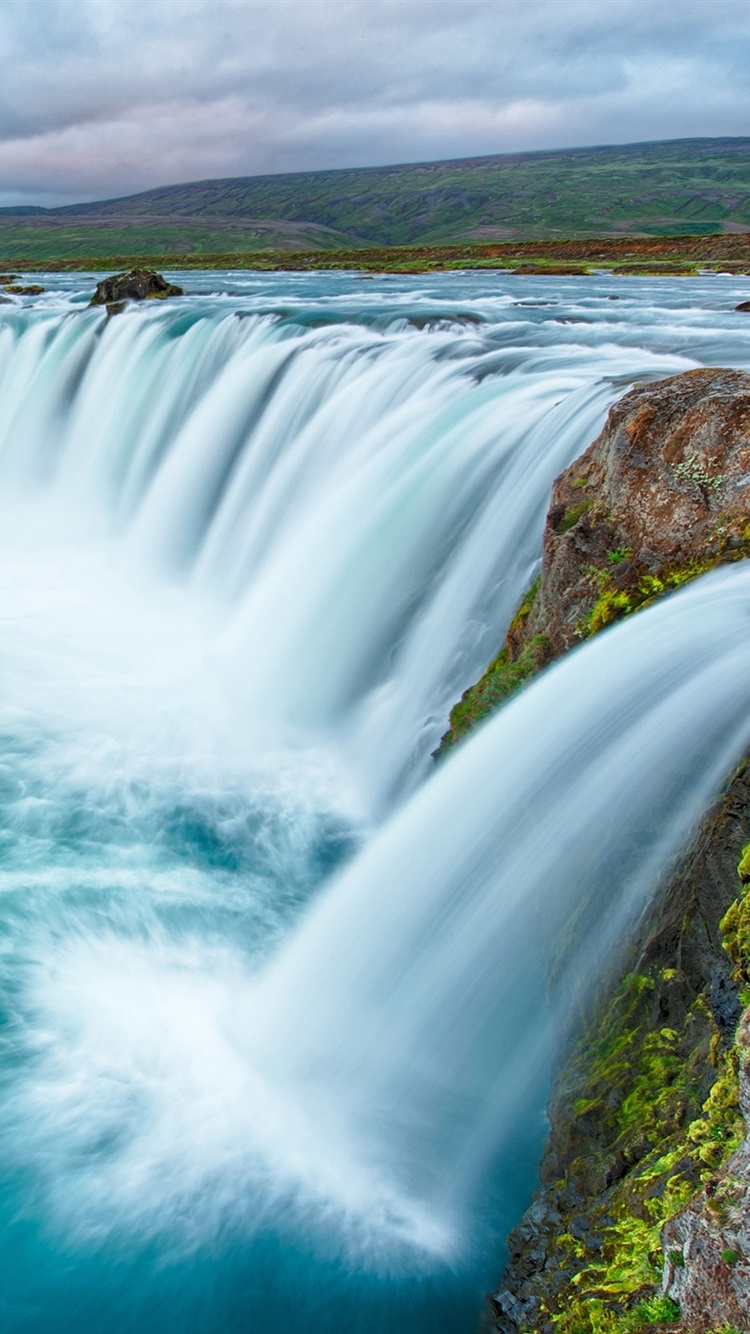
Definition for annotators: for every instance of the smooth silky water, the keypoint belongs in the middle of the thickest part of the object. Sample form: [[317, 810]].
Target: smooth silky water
[[276, 1022]]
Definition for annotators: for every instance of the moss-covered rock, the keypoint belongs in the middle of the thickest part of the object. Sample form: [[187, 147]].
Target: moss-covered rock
[[520, 659], [646, 1107], [662, 496], [137, 285], [18, 289], [706, 1245]]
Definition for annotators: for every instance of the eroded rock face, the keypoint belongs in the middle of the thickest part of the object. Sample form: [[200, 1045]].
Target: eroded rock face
[[662, 495], [666, 484], [137, 285], [707, 1244]]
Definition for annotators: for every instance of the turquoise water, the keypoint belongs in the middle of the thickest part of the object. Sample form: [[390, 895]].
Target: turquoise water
[[274, 1040]]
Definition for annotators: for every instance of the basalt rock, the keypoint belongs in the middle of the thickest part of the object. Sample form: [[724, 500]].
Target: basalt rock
[[137, 285], [662, 495]]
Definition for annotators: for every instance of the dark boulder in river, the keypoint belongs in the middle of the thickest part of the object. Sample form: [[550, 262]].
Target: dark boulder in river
[[137, 285], [17, 289]]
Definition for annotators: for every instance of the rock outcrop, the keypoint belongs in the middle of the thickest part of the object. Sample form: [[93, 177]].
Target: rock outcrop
[[645, 1111], [662, 495], [137, 285]]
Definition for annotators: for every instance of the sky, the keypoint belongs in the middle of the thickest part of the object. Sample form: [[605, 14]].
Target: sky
[[100, 98]]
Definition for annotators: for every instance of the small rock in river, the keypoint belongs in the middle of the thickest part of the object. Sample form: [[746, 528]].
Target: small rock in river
[[137, 285]]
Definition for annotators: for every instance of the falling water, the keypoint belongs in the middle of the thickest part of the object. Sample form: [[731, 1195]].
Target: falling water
[[276, 1021]]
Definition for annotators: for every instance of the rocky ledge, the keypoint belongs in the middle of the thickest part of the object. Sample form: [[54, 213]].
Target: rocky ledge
[[661, 496], [640, 1221]]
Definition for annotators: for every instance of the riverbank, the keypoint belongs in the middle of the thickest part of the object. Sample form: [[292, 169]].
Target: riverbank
[[669, 256]]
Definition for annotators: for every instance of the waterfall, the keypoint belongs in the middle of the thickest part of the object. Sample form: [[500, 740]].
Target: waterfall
[[277, 999], [365, 502], [421, 976]]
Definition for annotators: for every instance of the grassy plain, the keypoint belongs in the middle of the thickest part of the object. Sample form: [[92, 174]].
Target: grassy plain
[[625, 255]]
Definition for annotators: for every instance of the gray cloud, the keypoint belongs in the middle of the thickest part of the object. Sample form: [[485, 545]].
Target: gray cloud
[[105, 97]]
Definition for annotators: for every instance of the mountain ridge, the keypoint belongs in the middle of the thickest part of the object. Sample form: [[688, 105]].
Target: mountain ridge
[[656, 187]]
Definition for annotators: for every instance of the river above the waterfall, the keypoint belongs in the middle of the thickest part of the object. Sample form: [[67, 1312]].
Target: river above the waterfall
[[274, 1045]]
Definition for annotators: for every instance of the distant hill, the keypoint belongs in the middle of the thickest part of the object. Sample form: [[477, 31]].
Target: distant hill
[[676, 187]]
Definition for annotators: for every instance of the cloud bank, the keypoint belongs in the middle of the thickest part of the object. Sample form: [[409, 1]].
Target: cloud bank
[[107, 97]]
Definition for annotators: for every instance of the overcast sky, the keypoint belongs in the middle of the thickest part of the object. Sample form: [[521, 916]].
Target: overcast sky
[[106, 97]]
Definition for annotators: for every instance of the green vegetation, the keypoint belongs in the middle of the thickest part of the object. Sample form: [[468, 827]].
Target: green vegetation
[[615, 602], [735, 929], [503, 677], [572, 515], [54, 247], [644, 1093], [54, 237], [689, 186], [619, 591], [643, 587]]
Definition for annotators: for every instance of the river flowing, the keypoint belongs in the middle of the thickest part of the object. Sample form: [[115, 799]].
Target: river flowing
[[276, 1024]]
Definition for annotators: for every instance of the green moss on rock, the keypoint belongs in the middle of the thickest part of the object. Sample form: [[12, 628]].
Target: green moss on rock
[[507, 673], [631, 521], [646, 1114], [572, 514]]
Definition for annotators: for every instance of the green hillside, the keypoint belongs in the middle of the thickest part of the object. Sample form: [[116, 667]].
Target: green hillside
[[51, 235], [689, 186]]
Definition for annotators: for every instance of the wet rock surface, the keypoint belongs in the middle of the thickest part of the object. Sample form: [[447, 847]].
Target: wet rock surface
[[137, 285], [662, 495]]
